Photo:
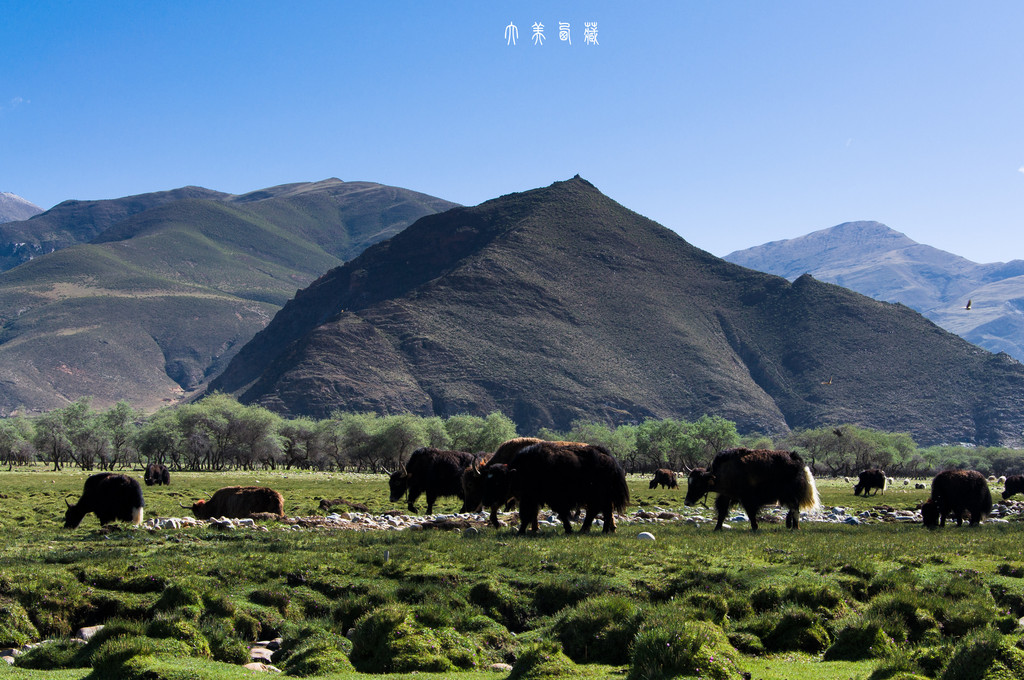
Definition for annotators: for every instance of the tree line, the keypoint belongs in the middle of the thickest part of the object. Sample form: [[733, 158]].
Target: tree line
[[219, 433]]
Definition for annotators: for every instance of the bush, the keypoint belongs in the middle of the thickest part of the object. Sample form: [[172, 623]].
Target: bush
[[985, 655], [555, 594], [387, 640], [224, 646], [503, 604], [319, 652], [748, 643], [16, 627], [798, 630], [905, 616], [542, 659], [598, 630], [861, 640], [183, 631], [277, 599], [667, 647], [176, 596], [53, 655]]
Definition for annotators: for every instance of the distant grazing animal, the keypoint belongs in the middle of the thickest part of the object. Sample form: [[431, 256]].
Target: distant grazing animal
[[870, 479], [955, 492], [433, 472], [564, 478], [667, 479], [919, 485], [111, 496], [1002, 479], [238, 502], [754, 478], [1014, 484], [473, 476], [156, 474]]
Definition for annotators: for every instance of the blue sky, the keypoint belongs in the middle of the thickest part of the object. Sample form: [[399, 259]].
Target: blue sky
[[732, 122]]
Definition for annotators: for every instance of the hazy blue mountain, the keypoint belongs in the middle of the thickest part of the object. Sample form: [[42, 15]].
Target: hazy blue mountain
[[877, 261]]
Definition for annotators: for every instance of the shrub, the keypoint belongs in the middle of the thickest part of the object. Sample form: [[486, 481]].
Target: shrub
[[184, 631], [223, 645], [598, 630], [319, 652], [748, 643], [985, 655], [555, 594], [277, 599], [503, 604], [246, 626], [16, 627], [176, 596], [861, 640], [905, 616], [668, 646], [387, 640], [53, 655], [797, 630], [542, 659]]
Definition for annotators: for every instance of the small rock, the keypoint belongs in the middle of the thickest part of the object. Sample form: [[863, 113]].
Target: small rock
[[261, 654], [500, 667], [645, 536], [263, 667], [852, 520], [8, 659], [87, 632]]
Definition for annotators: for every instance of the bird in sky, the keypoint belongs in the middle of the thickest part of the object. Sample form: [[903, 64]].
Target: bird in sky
[[968, 305], [827, 382]]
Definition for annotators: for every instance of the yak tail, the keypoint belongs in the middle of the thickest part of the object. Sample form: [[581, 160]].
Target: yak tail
[[885, 482], [137, 516], [809, 499], [620, 493]]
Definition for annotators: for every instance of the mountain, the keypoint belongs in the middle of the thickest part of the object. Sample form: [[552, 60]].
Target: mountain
[[882, 263], [559, 304], [14, 208], [160, 299]]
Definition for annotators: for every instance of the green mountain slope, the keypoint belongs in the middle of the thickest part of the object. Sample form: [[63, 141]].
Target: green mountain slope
[[558, 303], [158, 303]]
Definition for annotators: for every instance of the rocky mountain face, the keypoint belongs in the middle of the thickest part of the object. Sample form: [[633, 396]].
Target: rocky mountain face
[[559, 304], [14, 208], [148, 297], [879, 262]]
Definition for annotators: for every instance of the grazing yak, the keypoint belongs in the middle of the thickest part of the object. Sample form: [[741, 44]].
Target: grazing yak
[[955, 492], [868, 480], [157, 474], [111, 496], [473, 476], [1013, 484], [563, 477], [667, 479], [433, 472], [239, 502], [754, 478]]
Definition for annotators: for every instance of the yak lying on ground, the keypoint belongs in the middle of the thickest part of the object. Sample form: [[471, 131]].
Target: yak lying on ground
[[1013, 484], [868, 480], [433, 472], [111, 496], [238, 502], [955, 492], [754, 478], [563, 477], [157, 474], [667, 479]]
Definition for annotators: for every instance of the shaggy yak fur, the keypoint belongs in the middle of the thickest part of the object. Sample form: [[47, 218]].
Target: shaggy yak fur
[[239, 501], [1014, 484], [156, 474], [473, 476], [667, 479], [432, 471], [868, 480], [111, 496], [955, 492], [562, 477], [755, 478]]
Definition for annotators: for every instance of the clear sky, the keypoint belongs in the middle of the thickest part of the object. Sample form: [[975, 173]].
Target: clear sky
[[732, 122]]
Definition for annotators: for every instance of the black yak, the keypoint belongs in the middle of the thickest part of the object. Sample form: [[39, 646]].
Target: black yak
[[1013, 484], [111, 496], [156, 474], [238, 502], [667, 479], [754, 478], [955, 492], [870, 479], [433, 472], [563, 477]]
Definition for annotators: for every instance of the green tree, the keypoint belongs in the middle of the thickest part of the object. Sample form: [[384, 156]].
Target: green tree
[[159, 439], [119, 422], [474, 434], [16, 441]]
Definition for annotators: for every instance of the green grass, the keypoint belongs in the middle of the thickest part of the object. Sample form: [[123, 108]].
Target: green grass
[[444, 601]]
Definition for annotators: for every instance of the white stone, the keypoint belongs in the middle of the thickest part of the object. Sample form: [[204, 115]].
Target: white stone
[[645, 536]]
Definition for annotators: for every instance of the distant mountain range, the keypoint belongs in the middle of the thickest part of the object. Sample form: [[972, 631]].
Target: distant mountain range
[[145, 298], [559, 304], [14, 208], [877, 261]]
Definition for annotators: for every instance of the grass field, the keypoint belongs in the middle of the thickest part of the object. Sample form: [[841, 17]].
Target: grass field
[[829, 601]]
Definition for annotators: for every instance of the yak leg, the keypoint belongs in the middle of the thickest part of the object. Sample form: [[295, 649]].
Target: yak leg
[[565, 514], [722, 504], [528, 515], [431, 497], [493, 521], [414, 495], [609, 521], [751, 510], [588, 519], [793, 518]]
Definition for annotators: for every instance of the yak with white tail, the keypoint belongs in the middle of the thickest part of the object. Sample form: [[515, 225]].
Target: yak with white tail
[[755, 478]]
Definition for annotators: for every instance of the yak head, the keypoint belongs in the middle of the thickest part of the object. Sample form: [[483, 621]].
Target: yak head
[[399, 483], [930, 513], [699, 483], [73, 516], [497, 484], [472, 488], [199, 510]]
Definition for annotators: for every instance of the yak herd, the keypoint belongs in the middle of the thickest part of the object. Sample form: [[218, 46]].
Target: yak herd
[[568, 477]]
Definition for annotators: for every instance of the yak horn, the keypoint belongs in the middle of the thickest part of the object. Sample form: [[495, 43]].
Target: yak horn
[[386, 471], [187, 507], [66, 503]]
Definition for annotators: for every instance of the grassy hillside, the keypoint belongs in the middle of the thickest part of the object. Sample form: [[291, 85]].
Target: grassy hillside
[[558, 304], [162, 299]]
